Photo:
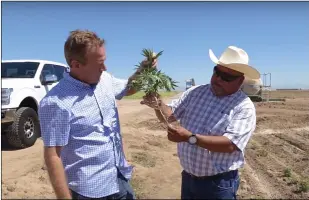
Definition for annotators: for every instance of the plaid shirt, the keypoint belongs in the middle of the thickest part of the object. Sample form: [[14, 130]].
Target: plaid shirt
[[201, 112], [84, 120]]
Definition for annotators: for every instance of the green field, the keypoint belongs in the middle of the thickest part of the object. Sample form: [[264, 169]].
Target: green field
[[139, 95]]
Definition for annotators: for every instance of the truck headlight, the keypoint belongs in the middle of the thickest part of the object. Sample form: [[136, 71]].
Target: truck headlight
[[6, 95]]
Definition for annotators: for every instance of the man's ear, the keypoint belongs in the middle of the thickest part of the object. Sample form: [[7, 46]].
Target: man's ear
[[75, 64]]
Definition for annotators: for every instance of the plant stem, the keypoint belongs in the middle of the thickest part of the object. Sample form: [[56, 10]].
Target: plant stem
[[161, 111]]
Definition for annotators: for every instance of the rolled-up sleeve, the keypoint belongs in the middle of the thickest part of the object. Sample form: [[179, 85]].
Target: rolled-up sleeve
[[120, 88], [54, 122], [241, 127]]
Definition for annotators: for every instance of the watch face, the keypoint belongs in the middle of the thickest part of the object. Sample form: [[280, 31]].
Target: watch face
[[192, 140]]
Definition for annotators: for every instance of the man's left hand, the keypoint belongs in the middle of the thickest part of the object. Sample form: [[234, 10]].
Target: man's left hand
[[146, 63], [177, 133]]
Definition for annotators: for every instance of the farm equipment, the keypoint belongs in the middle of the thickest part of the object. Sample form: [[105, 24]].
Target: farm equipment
[[258, 89], [189, 83]]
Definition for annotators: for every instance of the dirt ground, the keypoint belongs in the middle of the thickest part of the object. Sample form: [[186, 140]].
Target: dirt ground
[[277, 156]]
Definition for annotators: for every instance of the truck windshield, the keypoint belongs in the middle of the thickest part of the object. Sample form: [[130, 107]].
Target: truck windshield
[[19, 69]]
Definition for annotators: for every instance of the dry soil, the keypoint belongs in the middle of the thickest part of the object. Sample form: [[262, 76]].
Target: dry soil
[[277, 156]]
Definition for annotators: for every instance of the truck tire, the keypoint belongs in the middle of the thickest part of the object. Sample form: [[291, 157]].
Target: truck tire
[[25, 129]]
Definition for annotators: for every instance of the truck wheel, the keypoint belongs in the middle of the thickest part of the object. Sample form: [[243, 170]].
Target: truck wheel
[[25, 129]]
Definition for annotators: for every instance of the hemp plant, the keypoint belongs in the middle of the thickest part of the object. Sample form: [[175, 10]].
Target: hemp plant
[[151, 80]]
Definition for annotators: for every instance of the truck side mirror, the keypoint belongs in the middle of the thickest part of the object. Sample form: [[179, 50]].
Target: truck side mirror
[[49, 79]]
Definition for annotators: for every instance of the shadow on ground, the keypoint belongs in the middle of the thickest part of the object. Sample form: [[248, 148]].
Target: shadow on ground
[[5, 146]]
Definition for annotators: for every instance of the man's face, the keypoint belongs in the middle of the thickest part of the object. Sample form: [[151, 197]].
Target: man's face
[[225, 81], [91, 71]]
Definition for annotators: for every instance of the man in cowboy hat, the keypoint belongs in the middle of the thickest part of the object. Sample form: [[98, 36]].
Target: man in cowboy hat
[[216, 123]]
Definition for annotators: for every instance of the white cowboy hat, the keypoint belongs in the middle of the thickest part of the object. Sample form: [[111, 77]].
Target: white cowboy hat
[[237, 59]]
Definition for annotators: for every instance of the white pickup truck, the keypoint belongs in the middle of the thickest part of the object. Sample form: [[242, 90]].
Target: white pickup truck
[[24, 84]]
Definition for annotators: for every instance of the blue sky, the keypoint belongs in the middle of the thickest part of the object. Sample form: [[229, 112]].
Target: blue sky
[[274, 34]]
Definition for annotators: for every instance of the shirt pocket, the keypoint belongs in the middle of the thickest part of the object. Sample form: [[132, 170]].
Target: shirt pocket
[[219, 126]]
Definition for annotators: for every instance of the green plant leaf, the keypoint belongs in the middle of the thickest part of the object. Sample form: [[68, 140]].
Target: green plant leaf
[[151, 80]]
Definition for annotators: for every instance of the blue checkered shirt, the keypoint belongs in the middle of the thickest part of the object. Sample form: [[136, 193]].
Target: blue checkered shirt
[[84, 120], [201, 112]]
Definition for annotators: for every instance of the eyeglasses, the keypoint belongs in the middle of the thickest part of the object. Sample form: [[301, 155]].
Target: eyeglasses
[[225, 76]]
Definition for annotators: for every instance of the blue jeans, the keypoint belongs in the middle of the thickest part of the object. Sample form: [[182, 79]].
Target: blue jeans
[[223, 186], [125, 191]]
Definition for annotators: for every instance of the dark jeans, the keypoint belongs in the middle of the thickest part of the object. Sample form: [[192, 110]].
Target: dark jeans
[[223, 186], [125, 191]]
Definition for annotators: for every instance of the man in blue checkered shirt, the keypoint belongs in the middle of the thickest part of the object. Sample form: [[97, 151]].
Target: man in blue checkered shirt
[[216, 123], [80, 125]]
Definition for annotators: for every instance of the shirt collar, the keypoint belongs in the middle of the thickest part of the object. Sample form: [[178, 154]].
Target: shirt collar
[[76, 82]]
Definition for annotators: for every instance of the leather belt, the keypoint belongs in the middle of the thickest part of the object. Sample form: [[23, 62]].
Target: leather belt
[[213, 176]]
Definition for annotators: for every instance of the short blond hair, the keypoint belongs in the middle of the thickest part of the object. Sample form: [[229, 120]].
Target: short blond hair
[[79, 43]]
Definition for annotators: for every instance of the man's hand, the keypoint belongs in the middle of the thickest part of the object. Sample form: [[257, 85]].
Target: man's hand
[[163, 112], [177, 133], [146, 63], [152, 100]]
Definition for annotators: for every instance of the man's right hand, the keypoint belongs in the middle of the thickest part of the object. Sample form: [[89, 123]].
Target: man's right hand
[[163, 112], [152, 100]]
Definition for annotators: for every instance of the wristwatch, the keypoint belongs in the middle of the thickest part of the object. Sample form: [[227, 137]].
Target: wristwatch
[[192, 139]]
